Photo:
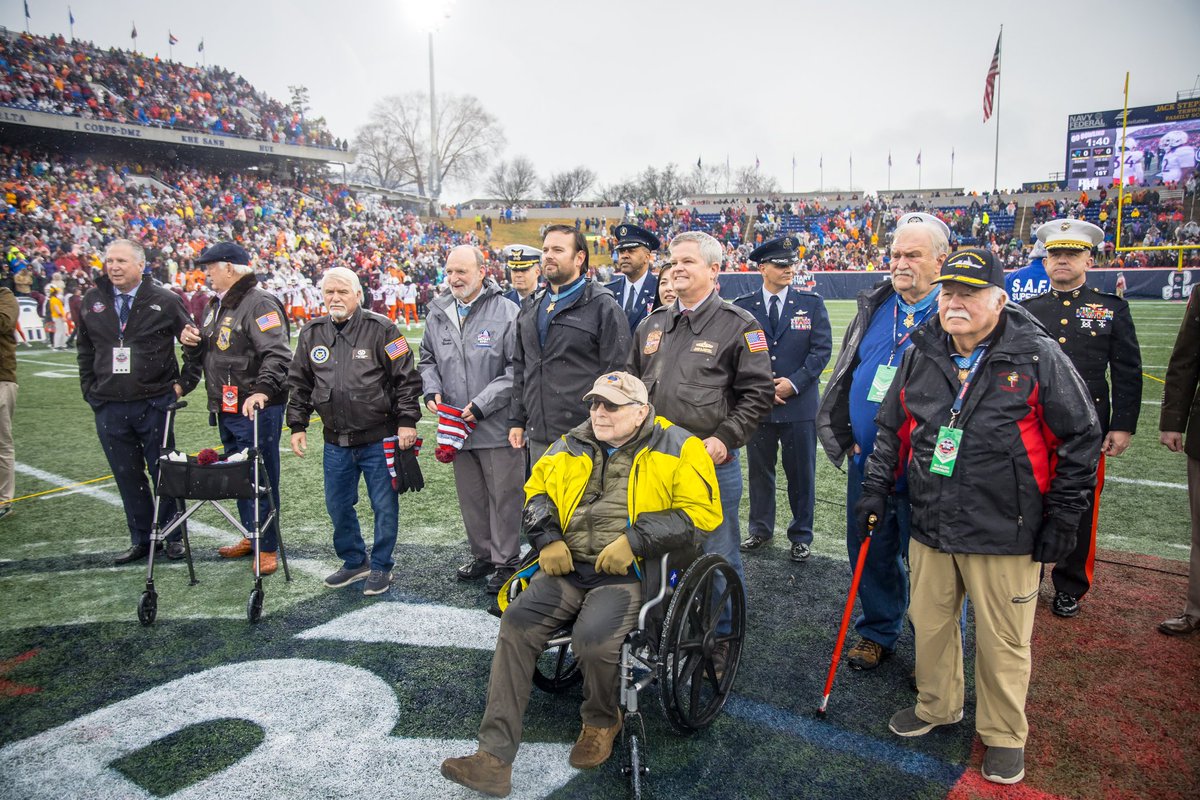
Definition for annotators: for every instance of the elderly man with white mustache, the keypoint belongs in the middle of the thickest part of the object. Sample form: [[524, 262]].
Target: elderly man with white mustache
[[355, 369], [998, 439], [877, 338]]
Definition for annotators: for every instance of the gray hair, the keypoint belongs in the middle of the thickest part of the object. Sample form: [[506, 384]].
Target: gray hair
[[710, 249], [937, 239], [139, 253], [344, 275], [242, 269]]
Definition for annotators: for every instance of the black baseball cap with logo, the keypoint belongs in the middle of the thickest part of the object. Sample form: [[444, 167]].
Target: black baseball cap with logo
[[973, 266]]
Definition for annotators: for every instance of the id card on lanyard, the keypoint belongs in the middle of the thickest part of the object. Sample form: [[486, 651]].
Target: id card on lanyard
[[949, 438], [886, 373], [122, 356]]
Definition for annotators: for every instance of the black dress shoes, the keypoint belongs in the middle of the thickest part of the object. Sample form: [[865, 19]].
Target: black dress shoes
[[474, 570], [136, 553]]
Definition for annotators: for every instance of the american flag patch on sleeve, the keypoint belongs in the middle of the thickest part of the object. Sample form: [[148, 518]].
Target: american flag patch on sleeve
[[396, 348], [756, 341], [268, 321]]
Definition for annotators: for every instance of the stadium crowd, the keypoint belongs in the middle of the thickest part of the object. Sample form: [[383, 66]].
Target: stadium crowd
[[76, 78]]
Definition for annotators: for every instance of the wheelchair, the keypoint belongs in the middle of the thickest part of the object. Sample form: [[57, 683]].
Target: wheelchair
[[672, 648], [209, 483]]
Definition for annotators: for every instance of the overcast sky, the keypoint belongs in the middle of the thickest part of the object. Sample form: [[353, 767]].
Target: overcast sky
[[621, 84]]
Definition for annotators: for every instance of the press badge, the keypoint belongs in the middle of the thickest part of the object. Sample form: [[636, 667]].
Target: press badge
[[122, 360], [945, 452], [884, 376], [229, 398]]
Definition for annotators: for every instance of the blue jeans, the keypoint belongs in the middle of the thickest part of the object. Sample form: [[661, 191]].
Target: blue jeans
[[725, 539], [237, 434], [342, 466], [883, 589]]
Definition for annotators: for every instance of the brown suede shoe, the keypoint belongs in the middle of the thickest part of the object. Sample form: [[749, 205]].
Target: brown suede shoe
[[243, 548], [594, 745], [482, 772], [867, 655], [267, 563]]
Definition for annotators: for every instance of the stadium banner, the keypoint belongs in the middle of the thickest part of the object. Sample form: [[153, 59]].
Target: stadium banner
[[126, 130], [1160, 146], [1142, 284]]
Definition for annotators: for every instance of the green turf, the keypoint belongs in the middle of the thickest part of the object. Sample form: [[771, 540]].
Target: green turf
[[63, 601], [180, 759]]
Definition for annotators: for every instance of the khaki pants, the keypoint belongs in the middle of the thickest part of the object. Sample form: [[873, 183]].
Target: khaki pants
[[602, 617], [1003, 592], [8, 400]]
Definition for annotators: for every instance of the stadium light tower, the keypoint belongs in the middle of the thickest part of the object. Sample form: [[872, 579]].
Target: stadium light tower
[[430, 14]]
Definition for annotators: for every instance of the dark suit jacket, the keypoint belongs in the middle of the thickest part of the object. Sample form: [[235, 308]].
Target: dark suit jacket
[[646, 301], [800, 347], [1180, 412]]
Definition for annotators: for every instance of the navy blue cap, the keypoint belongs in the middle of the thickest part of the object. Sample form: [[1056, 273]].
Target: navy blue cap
[[630, 235], [224, 251], [777, 251]]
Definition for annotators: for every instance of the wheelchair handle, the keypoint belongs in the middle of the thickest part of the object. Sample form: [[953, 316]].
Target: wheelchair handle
[[658, 598], [176, 405]]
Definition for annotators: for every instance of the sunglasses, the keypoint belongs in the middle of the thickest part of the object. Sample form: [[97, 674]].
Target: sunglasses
[[611, 408]]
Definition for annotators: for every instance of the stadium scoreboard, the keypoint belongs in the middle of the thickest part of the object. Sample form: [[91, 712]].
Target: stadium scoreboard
[[1160, 146]]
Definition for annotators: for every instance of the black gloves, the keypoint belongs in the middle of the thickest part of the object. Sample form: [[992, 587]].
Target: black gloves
[[1057, 539], [869, 505], [408, 472]]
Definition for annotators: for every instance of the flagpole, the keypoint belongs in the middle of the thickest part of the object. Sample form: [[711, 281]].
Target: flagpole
[[71, 22], [793, 173], [889, 171], [996, 160], [822, 173], [852, 172]]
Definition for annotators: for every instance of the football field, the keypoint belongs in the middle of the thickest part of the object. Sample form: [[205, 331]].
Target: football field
[[334, 694]]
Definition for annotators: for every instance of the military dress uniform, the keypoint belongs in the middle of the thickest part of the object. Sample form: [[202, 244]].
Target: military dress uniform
[[800, 343], [636, 304], [1095, 330], [520, 258]]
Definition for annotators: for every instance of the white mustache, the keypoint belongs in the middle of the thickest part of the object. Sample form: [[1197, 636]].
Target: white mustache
[[953, 314]]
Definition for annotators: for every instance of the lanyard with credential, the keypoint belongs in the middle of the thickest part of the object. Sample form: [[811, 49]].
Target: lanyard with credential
[[899, 343], [972, 368]]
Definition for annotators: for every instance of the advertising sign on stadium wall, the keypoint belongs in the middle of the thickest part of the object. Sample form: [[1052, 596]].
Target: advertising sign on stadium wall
[[126, 130], [1160, 146], [1145, 284]]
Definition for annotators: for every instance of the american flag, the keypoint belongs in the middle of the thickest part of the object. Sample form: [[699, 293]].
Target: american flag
[[171, 40], [268, 321], [756, 341], [396, 348], [989, 86]]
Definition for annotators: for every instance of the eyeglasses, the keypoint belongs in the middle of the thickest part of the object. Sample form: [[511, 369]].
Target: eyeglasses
[[611, 408]]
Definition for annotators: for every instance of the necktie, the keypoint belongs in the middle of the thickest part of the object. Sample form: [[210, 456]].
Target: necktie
[[630, 297], [773, 314], [123, 309]]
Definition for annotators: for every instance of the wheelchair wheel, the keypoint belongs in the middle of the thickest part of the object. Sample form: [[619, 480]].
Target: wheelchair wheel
[[691, 691], [557, 670], [635, 767], [254, 605], [148, 607]]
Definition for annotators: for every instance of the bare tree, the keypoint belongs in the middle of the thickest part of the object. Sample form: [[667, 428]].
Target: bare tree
[[566, 187], [748, 180], [397, 136], [300, 98], [705, 179], [512, 181], [615, 194]]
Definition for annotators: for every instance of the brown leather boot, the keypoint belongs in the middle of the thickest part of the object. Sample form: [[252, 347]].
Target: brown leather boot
[[267, 563], [594, 745], [243, 548], [482, 772]]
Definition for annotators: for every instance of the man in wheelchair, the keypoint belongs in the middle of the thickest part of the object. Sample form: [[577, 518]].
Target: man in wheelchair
[[619, 490]]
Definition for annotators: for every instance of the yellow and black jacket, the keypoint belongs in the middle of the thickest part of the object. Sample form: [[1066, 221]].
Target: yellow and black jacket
[[671, 494]]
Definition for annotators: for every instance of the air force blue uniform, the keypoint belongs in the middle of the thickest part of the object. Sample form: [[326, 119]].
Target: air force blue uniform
[[643, 302], [800, 344]]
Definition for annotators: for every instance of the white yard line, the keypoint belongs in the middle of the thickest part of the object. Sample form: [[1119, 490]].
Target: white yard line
[[1141, 482], [194, 526]]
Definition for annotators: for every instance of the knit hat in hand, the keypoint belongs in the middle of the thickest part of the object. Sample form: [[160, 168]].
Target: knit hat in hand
[[452, 431]]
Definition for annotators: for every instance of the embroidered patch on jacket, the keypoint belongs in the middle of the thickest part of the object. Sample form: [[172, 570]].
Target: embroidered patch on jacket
[[268, 321], [396, 348], [756, 341], [653, 338]]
